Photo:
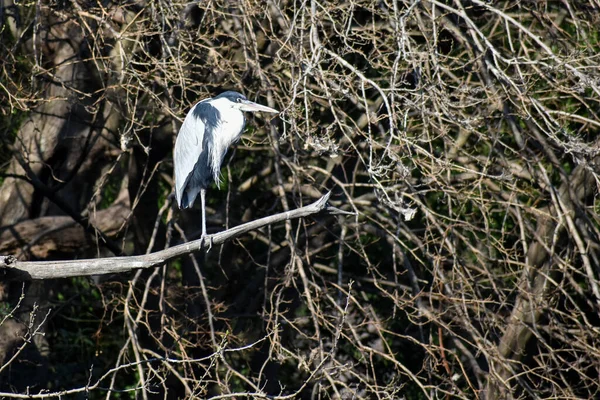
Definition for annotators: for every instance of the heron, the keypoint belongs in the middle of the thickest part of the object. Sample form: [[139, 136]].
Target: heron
[[209, 128]]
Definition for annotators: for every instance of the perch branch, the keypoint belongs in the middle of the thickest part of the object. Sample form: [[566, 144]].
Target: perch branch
[[28, 270]]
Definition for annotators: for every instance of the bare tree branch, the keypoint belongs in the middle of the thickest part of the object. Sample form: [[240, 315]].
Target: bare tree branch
[[27, 270]]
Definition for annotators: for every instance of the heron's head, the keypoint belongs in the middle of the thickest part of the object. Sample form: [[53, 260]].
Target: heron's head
[[240, 102]]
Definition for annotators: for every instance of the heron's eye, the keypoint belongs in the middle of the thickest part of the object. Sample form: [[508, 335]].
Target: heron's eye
[[239, 100]]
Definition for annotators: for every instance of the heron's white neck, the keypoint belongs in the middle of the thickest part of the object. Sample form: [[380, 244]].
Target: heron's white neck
[[227, 132]]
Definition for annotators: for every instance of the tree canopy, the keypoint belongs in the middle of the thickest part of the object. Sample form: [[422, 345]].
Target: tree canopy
[[458, 138]]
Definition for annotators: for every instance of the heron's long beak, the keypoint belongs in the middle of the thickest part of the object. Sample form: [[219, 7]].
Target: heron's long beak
[[247, 105]]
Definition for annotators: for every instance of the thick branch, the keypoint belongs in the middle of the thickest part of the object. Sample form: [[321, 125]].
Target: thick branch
[[27, 270], [50, 194], [58, 236], [534, 288]]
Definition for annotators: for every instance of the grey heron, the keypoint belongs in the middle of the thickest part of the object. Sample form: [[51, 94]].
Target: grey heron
[[210, 127]]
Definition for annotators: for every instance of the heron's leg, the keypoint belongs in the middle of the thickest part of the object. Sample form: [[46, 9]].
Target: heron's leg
[[203, 204]]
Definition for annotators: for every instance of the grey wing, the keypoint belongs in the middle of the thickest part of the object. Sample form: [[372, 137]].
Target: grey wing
[[187, 159]]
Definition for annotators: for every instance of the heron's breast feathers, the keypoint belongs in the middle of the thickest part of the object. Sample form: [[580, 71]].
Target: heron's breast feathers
[[225, 133]]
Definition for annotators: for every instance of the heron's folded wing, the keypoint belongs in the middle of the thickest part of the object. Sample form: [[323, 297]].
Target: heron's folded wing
[[188, 149]]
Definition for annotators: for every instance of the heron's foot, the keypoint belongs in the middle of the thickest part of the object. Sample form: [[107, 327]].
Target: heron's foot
[[207, 239]]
